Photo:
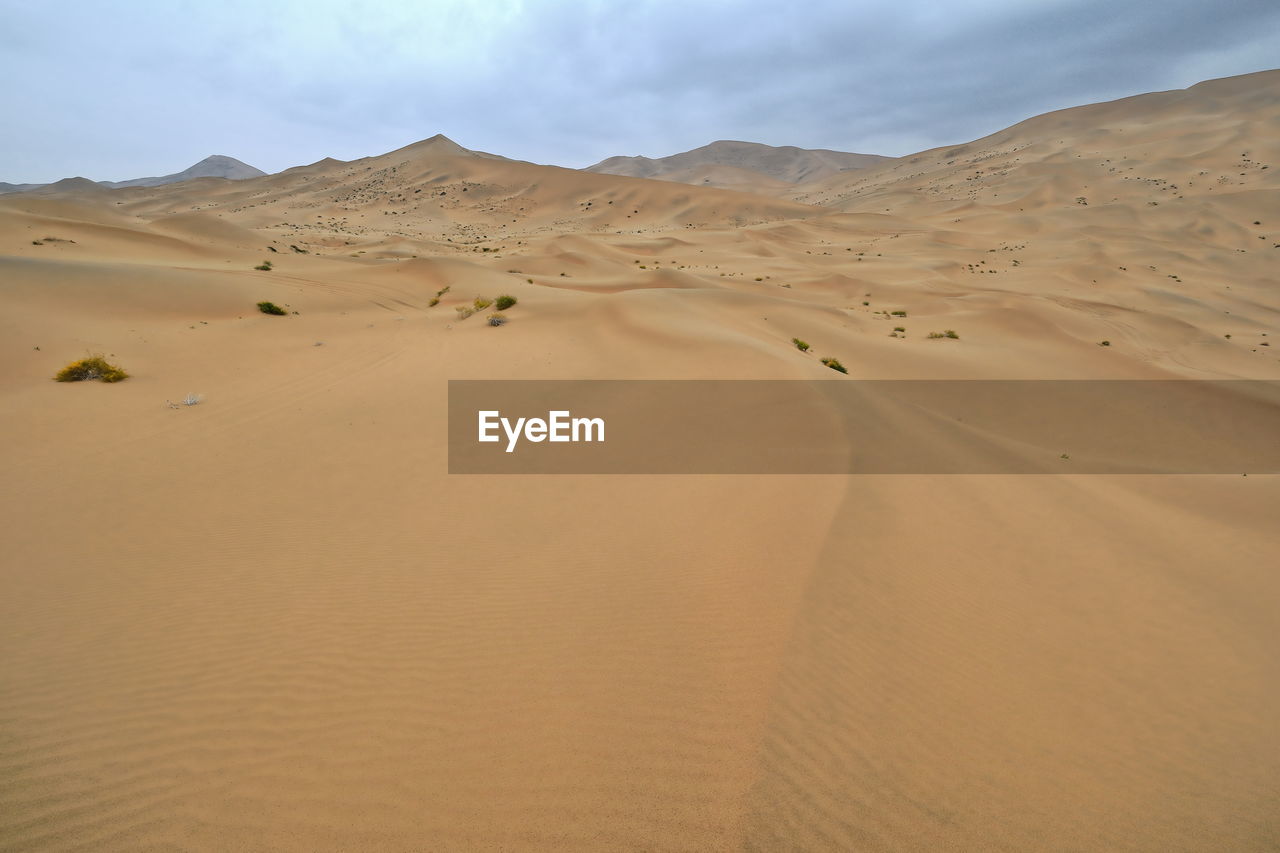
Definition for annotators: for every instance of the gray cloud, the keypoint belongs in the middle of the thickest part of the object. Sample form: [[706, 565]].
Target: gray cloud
[[114, 91]]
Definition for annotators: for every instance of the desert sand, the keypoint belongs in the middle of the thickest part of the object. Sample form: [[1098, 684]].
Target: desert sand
[[273, 620]]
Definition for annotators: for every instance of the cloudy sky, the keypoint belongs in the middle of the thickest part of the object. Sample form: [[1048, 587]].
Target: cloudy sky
[[121, 90]]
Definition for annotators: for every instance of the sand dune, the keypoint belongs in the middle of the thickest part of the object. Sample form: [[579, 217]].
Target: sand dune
[[734, 163], [273, 621]]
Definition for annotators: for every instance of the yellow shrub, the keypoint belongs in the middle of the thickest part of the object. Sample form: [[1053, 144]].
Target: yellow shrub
[[88, 369]]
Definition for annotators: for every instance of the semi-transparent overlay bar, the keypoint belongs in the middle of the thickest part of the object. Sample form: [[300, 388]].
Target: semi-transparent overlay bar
[[864, 427]]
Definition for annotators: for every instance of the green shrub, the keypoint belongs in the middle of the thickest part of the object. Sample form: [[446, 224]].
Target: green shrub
[[898, 313], [899, 329], [803, 346], [503, 302], [834, 364], [88, 369], [951, 333], [1107, 343], [271, 308], [435, 300], [265, 266]]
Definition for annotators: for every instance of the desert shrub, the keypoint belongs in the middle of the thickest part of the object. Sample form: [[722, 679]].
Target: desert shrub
[[503, 302], [898, 313], [271, 308], [834, 364], [951, 333], [496, 319], [265, 266], [481, 303], [89, 369], [464, 311], [899, 328], [803, 346], [1104, 343], [935, 335]]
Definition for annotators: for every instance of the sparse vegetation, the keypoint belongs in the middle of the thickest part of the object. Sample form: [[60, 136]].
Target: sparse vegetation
[[898, 313], [482, 303], [803, 346], [271, 308], [435, 300], [464, 311], [1104, 343], [949, 333], [503, 302], [834, 364], [265, 266], [899, 328], [497, 319], [89, 369]]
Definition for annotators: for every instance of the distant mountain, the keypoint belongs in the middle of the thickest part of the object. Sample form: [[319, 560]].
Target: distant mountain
[[783, 163], [6, 187], [217, 166]]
